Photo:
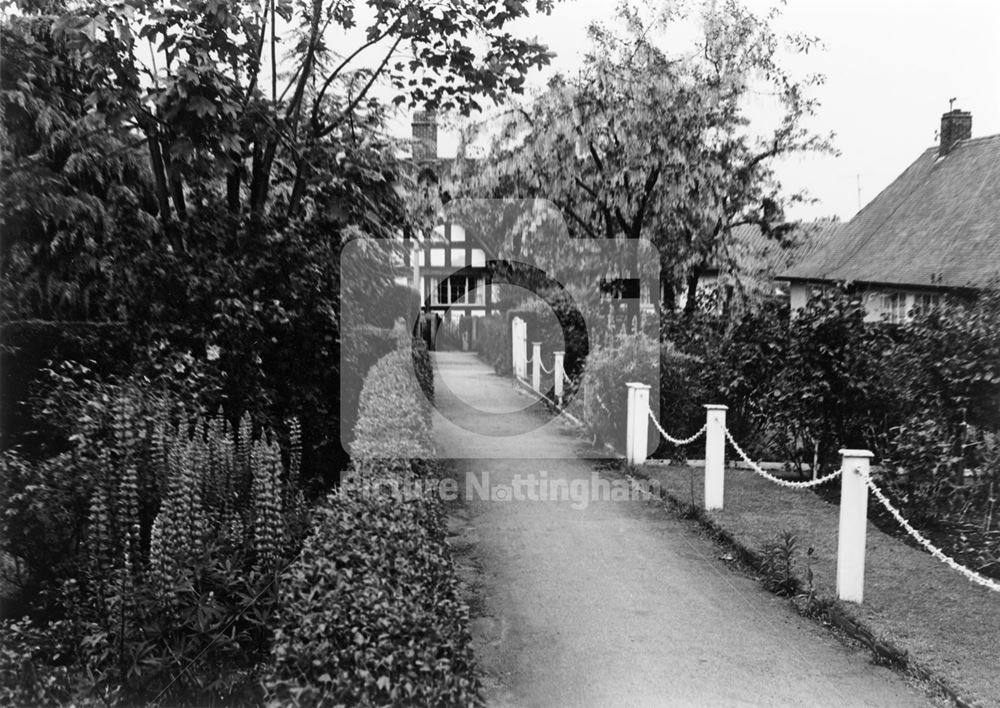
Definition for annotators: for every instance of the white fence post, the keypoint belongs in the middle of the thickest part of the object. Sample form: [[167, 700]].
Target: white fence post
[[513, 347], [557, 375], [518, 344], [715, 455], [536, 366], [853, 524], [637, 425]]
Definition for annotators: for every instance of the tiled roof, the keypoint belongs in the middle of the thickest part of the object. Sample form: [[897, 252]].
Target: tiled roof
[[756, 253], [936, 225]]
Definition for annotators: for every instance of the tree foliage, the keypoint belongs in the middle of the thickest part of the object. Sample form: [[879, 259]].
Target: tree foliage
[[646, 143]]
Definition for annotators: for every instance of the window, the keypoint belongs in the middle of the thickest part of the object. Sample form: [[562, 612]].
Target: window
[[924, 303], [457, 233], [458, 257], [478, 258], [894, 308], [458, 290], [443, 295], [437, 256], [435, 292], [421, 258], [479, 291]]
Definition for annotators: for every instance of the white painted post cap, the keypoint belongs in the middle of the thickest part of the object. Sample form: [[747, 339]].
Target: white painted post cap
[[636, 384], [716, 407], [856, 453]]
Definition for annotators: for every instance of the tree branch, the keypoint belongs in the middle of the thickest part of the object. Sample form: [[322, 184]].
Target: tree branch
[[357, 99], [340, 67]]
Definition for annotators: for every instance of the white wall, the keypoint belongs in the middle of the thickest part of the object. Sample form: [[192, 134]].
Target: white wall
[[892, 304]]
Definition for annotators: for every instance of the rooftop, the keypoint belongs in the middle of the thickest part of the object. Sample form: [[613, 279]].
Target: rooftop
[[936, 225]]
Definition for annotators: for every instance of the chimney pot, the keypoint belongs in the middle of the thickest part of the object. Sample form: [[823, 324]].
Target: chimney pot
[[956, 125], [424, 135]]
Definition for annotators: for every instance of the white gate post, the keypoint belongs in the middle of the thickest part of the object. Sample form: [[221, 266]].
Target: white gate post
[[514, 361], [519, 354], [853, 524], [637, 425], [557, 374], [715, 455], [536, 366]]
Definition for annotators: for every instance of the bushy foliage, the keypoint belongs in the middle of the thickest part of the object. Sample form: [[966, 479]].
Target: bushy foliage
[[28, 349], [942, 454], [923, 395], [494, 343], [831, 390], [36, 664], [370, 611], [394, 419], [606, 374]]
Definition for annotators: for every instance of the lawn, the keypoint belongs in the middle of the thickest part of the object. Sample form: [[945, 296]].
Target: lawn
[[949, 626]]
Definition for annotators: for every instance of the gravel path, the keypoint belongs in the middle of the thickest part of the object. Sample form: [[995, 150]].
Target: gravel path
[[593, 602]]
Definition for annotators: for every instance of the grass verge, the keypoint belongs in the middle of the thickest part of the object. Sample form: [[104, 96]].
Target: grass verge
[[918, 614]]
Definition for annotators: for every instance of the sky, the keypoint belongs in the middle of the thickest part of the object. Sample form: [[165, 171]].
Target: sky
[[891, 67]]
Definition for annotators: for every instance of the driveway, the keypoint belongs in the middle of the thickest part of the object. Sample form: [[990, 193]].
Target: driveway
[[580, 600]]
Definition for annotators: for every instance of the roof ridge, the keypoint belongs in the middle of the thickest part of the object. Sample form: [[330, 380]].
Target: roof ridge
[[966, 141]]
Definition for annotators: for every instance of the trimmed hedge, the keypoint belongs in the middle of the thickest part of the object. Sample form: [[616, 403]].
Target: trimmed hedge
[[394, 410], [371, 612]]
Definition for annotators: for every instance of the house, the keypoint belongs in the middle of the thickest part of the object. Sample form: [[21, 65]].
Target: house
[[934, 230], [447, 266]]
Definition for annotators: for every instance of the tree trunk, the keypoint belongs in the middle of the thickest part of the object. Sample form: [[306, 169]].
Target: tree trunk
[[298, 186], [159, 177], [691, 304], [233, 183]]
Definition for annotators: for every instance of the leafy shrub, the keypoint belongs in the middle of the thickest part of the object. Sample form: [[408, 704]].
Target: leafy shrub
[[371, 613], [607, 371], [777, 564], [26, 348], [798, 388], [394, 416], [360, 351], [494, 344], [422, 367], [395, 302], [37, 664]]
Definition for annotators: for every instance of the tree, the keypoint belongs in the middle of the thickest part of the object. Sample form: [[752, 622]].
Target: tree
[[643, 143], [192, 78], [247, 106], [69, 188], [257, 144]]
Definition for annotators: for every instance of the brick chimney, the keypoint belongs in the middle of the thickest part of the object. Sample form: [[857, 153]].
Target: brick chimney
[[955, 125], [425, 135]]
